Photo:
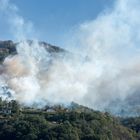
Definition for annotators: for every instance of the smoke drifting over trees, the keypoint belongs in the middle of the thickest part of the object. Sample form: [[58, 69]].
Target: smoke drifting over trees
[[104, 74]]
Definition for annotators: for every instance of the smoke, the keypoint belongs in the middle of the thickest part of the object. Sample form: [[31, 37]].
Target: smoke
[[103, 73]]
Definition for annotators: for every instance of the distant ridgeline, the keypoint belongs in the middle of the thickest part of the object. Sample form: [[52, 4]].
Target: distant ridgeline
[[9, 48]]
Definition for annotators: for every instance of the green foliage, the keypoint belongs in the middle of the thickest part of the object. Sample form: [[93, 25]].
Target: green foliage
[[71, 124], [132, 123]]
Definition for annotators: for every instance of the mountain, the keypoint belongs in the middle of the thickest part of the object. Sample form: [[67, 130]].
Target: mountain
[[9, 48], [75, 122]]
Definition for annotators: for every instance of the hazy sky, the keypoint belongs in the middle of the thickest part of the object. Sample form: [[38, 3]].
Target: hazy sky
[[53, 19]]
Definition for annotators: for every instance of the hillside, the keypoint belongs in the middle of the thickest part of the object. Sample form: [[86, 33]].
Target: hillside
[[73, 122], [59, 123], [9, 48]]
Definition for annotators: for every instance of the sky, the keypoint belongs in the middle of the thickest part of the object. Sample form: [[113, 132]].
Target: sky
[[54, 19]]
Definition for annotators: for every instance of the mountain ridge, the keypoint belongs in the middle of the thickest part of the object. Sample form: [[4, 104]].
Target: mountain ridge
[[8, 47]]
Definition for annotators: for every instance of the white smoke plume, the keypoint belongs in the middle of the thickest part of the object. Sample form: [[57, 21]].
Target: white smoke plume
[[103, 73]]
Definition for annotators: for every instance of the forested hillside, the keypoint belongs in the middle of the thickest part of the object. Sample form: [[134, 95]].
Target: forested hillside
[[61, 123]]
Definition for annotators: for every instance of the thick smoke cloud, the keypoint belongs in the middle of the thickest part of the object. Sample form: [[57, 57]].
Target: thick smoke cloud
[[103, 73]]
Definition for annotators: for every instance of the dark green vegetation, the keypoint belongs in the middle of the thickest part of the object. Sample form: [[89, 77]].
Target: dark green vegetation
[[60, 123], [132, 123]]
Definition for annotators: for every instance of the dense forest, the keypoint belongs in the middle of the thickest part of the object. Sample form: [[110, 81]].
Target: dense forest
[[63, 123]]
